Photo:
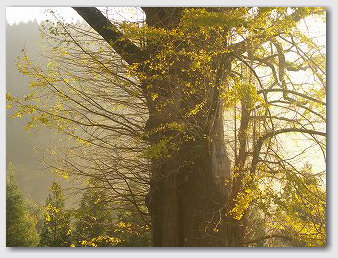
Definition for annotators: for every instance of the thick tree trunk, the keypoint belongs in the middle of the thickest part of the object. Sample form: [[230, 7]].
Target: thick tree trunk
[[189, 195]]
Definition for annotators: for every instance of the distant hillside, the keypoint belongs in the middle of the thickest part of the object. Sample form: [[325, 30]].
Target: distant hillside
[[22, 149]]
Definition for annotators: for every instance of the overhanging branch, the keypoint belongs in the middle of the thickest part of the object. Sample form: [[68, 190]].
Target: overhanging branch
[[115, 38], [260, 141]]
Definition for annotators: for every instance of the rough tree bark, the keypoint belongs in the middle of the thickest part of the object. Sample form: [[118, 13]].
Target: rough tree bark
[[188, 194]]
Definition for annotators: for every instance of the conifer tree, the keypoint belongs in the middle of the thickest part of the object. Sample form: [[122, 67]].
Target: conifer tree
[[20, 228], [56, 228], [93, 218], [95, 224], [131, 229]]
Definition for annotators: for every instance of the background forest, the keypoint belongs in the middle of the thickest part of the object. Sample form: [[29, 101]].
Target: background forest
[[182, 127]]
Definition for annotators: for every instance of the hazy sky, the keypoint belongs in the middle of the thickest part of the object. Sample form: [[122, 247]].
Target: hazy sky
[[25, 14]]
